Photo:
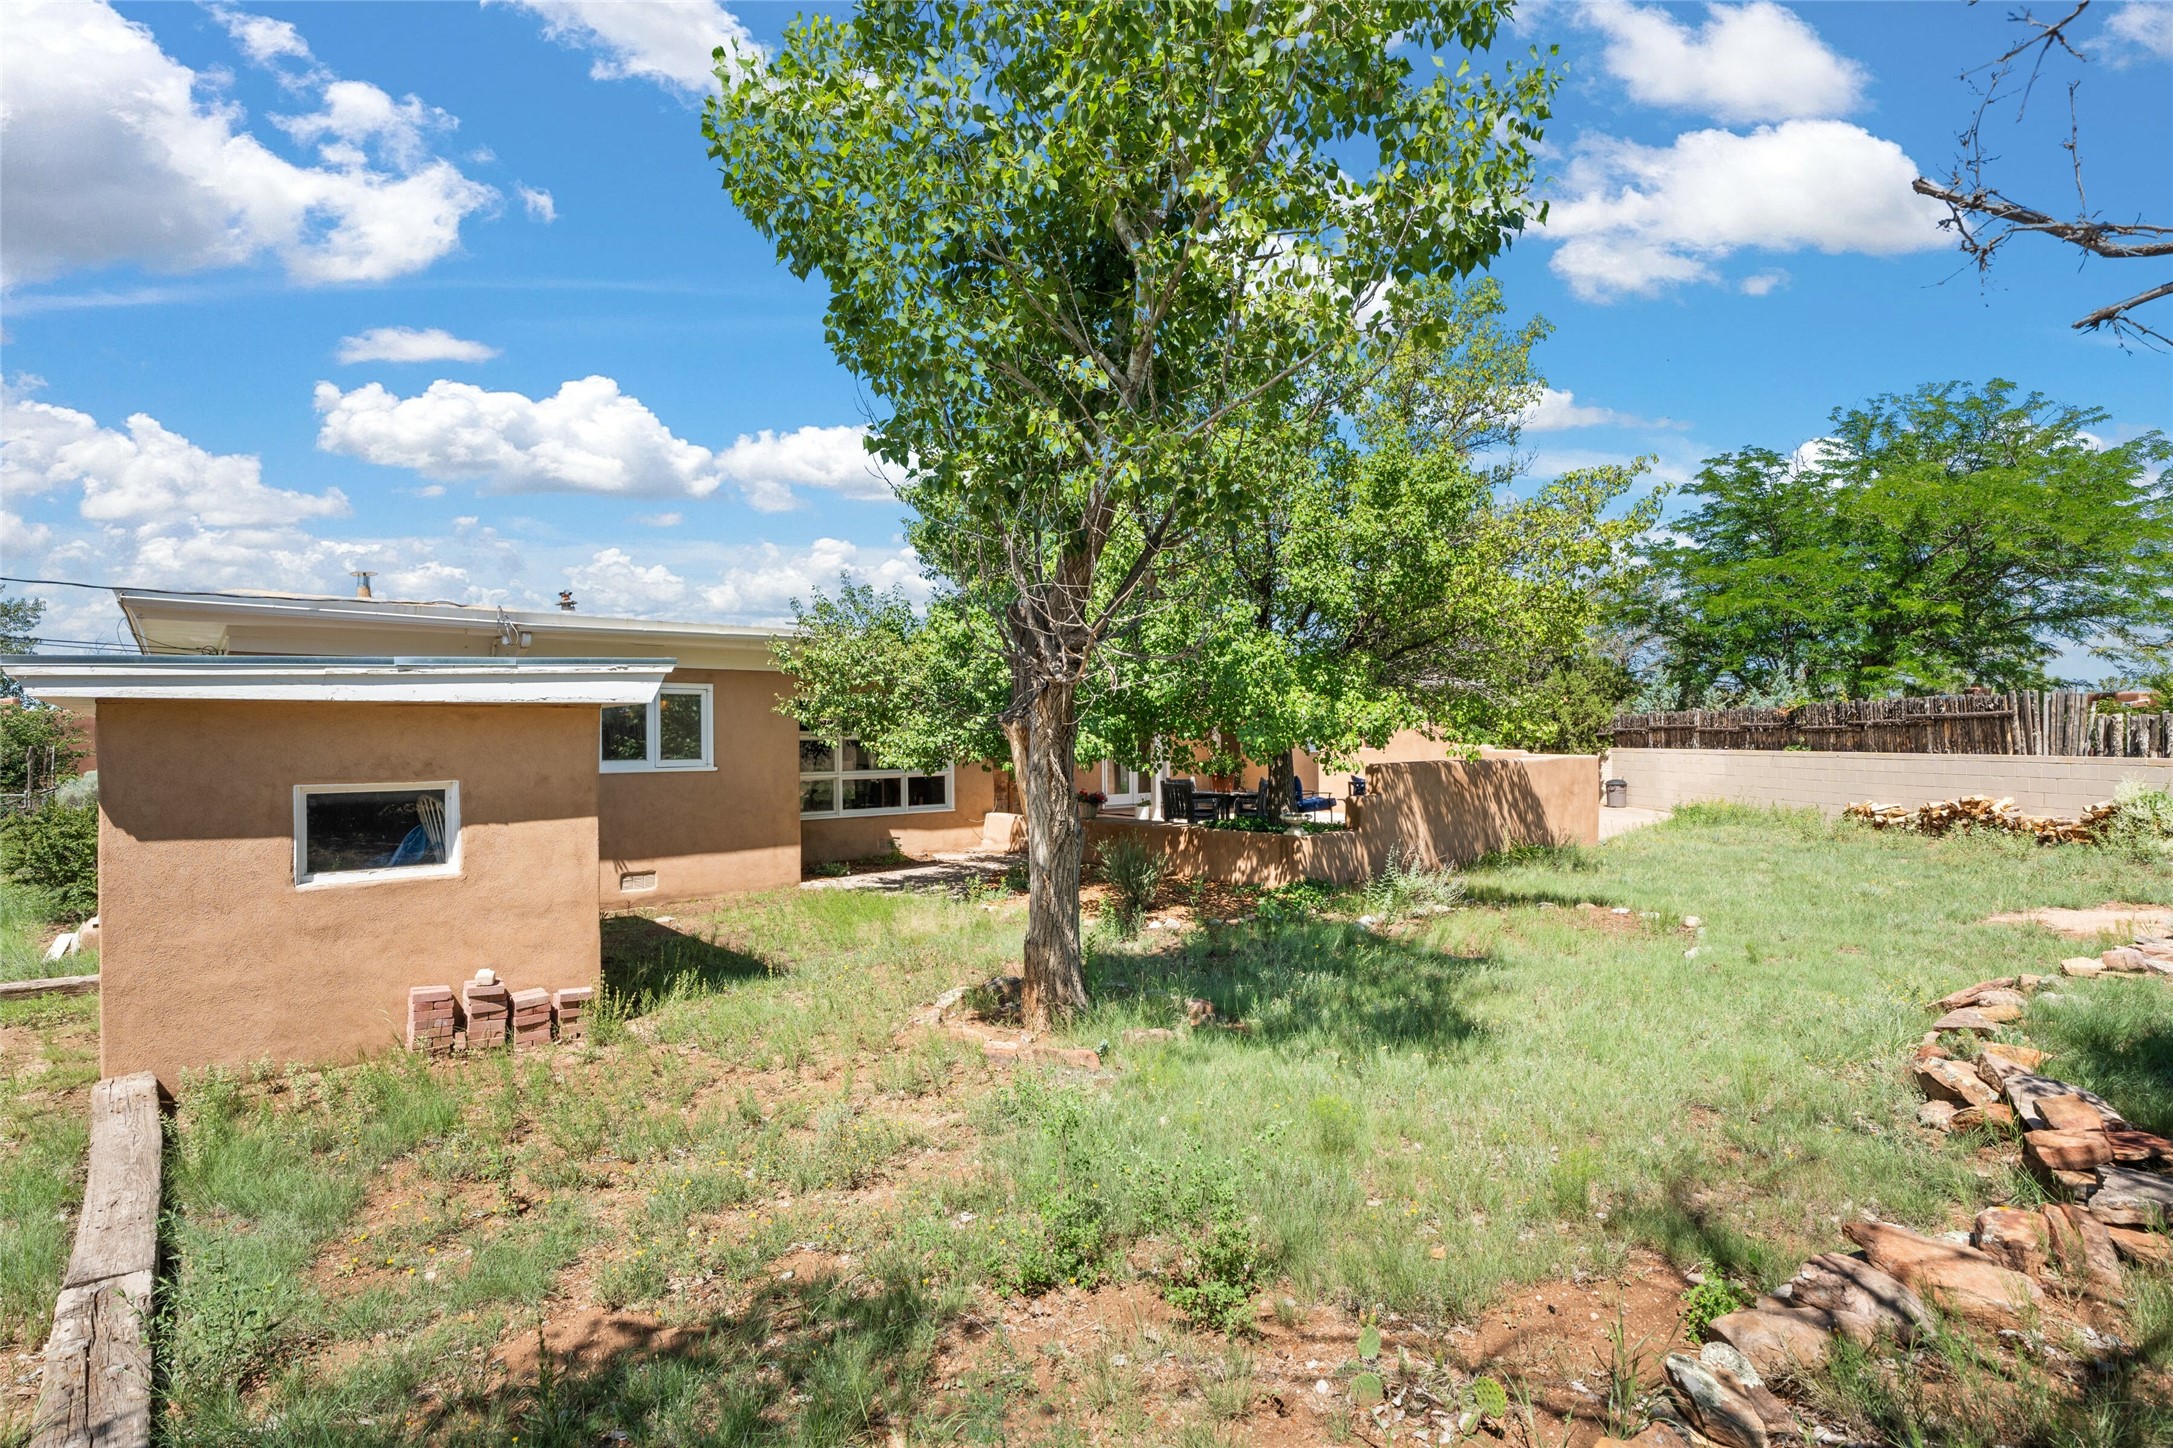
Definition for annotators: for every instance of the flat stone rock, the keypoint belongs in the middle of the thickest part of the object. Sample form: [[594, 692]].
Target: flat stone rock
[[2082, 967], [1959, 1280], [2027, 1058], [1968, 1018], [2069, 1113], [2024, 1089], [1998, 1115], [2124, 960], [2129, 1198], [1937, 1114], [1714, 1408], [2151, 1249], [1969, 995], [1955, 1081], [2139, 1148], [1778, 1340], [2067, 1150], [2014, 1237], [2081, 1246], [1864, 1303]]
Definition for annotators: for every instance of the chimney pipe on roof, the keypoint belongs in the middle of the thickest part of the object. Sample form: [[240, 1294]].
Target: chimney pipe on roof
[[565, 600], [362, 577]]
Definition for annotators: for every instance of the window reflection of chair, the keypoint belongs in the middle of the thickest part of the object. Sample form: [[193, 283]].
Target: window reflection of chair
[[431, 810]]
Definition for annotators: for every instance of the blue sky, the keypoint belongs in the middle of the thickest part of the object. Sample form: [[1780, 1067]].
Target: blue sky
[[452, 292]]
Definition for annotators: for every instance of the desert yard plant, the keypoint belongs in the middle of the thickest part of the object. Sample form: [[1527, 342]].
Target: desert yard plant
[[1133, 872], [1407, 886], [2143, 826]]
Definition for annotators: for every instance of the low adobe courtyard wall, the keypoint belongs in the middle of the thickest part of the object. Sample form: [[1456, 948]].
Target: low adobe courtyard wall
[[1441, 813], [1831, 780], [210, 952]]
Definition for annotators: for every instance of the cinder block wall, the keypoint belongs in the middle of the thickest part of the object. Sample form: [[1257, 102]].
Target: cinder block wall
[[1832, 780]]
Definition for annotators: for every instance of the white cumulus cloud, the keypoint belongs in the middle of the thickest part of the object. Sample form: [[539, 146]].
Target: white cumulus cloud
[[1639, 219], [1755, 62], [412, 344], [539, 204], [767, 464], [114, 155], [588, 437], [752, 583], [669, 42], [147, 476], [2144, 26], [1558, 410]]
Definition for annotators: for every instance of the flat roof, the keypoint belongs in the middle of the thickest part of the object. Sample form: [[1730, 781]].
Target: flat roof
[[431, 611], [74, 680]]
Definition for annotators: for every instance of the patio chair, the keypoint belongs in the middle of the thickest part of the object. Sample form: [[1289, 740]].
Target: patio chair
[[1303, 803], [1260, 804], [1180, 806]]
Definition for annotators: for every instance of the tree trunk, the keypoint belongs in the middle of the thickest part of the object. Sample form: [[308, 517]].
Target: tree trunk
[[1055, 983]]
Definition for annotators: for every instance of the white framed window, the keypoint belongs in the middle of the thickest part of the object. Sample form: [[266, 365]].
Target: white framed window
[[840, 779], [675, 730], [353, 834]]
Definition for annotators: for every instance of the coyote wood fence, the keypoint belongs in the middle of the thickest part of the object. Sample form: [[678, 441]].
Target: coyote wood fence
[[2029, 721], [97, 1388]]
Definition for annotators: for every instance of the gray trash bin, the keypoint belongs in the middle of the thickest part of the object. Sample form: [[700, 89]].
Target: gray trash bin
[[1618, 793]]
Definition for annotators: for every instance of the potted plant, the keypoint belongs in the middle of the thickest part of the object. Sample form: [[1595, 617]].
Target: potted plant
[[1091, 802]]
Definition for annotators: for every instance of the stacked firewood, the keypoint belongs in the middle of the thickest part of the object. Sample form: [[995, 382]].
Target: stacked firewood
[[1978, 811]]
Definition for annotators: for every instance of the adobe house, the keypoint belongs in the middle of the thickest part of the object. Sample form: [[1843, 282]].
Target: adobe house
[[287, 845], [705, 790]]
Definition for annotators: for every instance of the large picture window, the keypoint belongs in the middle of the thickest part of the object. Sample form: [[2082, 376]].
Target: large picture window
[[358, 832], [673, 732], [838, 777]]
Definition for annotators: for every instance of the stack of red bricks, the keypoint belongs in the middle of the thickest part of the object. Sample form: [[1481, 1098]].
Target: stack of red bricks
[[430, 1019], [490, 1012], [531, 1018], [571, 1007]]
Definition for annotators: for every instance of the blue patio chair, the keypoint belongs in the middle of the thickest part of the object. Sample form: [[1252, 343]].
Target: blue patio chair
[[1303, 803]]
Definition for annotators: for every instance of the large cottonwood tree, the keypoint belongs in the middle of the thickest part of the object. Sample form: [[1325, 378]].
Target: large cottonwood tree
[[1074, 248]]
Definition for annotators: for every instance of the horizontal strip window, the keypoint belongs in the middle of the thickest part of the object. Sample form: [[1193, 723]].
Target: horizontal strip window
[[674, 731], [840, 779], [358, 833]]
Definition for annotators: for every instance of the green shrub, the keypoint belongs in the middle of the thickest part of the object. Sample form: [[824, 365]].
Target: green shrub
[[1707, 1301], [34, 741], [1134, 872], [1405, 887], [1222, 1265], [2143, 826], [54, 850]]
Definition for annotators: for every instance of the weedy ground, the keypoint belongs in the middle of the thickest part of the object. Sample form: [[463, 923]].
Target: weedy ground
[[762, 1206]]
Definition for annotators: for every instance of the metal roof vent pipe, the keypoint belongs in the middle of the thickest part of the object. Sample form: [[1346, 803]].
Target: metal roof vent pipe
[[565, 600], [362, 577]]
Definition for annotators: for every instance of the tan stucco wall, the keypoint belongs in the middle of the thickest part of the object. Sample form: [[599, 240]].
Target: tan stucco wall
[[210, 953], [1830, 780], [973, 795], [714, 831], [1440, 812]]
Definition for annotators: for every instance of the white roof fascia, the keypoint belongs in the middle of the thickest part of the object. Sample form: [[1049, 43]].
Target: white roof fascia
[[73, 681], [146, 609]]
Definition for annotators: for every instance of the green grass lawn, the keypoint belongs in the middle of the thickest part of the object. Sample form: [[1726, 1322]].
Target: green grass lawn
[[48, 1061], [1413, 1120]]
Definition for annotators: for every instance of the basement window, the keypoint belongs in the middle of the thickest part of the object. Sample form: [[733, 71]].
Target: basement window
[[840, 778], [355, 833], [675, 731]]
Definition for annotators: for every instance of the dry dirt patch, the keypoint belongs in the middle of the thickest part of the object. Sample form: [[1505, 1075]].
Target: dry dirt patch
[[2114, 917]]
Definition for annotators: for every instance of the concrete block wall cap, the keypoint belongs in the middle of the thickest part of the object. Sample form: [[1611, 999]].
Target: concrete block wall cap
[[429, 992], [533, 996], [576, 993]]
